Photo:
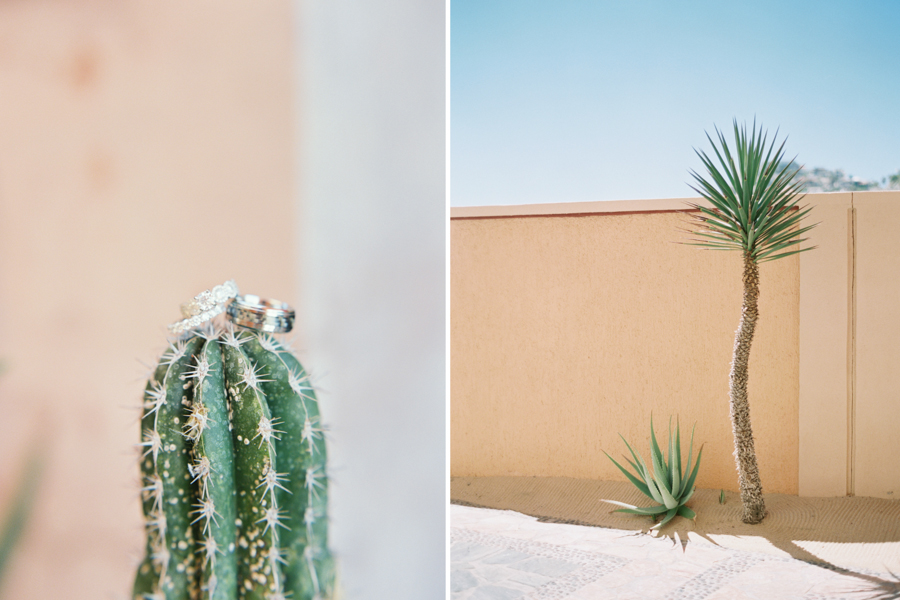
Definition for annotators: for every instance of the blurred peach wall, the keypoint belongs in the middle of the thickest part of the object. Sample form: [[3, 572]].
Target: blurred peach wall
[[146, 153]]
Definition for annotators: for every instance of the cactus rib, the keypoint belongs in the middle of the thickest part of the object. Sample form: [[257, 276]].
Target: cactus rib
[[309, 568], [166, 491], [212, 470]]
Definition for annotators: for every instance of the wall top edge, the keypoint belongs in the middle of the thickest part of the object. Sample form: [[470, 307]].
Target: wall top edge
[[571, 208], [630, 206]]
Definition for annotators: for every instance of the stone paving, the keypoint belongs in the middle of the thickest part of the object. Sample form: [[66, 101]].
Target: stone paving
[[504, 555]]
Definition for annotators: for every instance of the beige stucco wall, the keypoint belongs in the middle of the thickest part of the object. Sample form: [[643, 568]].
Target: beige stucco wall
[[146, 153], [568, 330], [825, 349], [876, 402], [849, 325]]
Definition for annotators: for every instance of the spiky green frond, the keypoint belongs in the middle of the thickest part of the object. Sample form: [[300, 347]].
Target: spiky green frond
[[754, 197]]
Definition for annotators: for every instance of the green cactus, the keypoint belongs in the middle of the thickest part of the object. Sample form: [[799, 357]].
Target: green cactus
[[235, 492]]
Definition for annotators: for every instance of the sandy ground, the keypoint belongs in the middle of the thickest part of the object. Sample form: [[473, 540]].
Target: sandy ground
[[839, 533]]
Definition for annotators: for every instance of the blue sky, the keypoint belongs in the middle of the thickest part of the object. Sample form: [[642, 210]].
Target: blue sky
[[562, 100]]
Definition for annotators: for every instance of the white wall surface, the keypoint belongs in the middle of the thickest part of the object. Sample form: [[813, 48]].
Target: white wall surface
[[371, 140]]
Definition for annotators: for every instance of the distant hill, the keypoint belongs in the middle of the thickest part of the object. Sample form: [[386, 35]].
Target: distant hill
[[828, 180]]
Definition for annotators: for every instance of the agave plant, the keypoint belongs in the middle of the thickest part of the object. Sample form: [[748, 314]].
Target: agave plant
[[667, 484]]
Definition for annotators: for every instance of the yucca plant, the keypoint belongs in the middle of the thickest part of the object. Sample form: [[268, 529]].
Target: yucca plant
[[754, 211], [667, 483]]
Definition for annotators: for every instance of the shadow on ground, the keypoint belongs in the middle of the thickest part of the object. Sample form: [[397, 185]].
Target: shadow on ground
[[858, 537]]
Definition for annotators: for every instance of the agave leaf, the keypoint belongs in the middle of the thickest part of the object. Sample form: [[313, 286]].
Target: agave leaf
[[644, 512], [637, 482], [670, 475], [670, 514], [638, 462], [617, 503], [676, 460], [636, 468], [648, 481], [642, 470], [686, 512], [654, 488], [687, 469], [656, 455], [668, 500], [635, 510], [645, 473], [689, 484], [687, 496]]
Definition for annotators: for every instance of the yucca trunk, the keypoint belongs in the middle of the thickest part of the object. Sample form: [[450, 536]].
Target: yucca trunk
[[754, 507]]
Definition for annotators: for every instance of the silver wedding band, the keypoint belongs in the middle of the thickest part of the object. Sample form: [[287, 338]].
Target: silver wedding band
[[261, 314]]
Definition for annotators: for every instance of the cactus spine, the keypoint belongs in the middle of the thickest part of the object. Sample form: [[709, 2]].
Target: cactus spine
[[233, 463]]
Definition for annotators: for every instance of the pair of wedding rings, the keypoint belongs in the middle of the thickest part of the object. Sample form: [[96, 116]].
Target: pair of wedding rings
[[252, 312]]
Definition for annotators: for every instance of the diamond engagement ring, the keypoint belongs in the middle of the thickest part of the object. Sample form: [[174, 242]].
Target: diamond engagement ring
[[209, 299], [196, 321], [262, 314], [205, 306]]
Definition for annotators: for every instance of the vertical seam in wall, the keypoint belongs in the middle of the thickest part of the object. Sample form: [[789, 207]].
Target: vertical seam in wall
[[851, 358]]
